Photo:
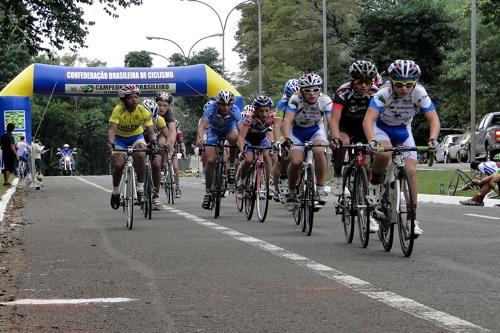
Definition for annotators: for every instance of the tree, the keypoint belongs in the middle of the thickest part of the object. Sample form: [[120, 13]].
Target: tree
[[138, 59], [31, 22]]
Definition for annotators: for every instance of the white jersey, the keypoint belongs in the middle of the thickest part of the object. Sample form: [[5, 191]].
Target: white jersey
[[21, 148], [488, 168], [400, 111], [308, 115]]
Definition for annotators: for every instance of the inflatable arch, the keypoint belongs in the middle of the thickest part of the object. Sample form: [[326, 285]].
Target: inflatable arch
[[15, 102]]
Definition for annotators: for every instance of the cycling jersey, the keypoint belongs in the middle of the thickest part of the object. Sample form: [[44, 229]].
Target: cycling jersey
[[353, 107], [257, 131], [219, 123], [169, 116], [281, 107], [309, 115], [158, 123], [130, 123], [488, 168]]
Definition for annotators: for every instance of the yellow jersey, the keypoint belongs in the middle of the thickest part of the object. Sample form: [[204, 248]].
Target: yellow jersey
[[130, 123], [159, 124]]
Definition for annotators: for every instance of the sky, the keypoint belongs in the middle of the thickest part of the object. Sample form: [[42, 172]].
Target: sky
[[184, 22]]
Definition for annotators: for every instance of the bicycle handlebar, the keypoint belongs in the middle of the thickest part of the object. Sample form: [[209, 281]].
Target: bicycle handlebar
[[218, 145], [404, 149]]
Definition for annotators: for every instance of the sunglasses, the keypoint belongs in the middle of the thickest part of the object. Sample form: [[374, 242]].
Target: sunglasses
[[401, 84], [311, 90], [368, 82]]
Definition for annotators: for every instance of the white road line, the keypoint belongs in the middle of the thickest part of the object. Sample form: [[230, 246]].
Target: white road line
[[484, 216], [93, 184], [407, 305], [30, 301]]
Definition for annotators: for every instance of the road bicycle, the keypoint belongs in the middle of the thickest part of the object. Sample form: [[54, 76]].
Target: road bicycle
[[257, 185], [304, 208], [149, 188], [128, 191], [397, 206], [352, 204], [219, 183], [168, 176]]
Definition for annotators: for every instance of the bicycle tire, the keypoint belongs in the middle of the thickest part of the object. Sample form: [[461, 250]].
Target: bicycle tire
[[148, 191], [219, 171], [169, 183], [459, 179], [346, 201], [361, 206], [386, 227], [250, 193], [297, 209], [239, 203], [262, 191], [405, 213], [309, 201], [129, 199]]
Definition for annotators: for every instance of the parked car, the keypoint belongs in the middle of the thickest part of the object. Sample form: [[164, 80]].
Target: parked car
[[443, 151], [460, 151], [488, 136]]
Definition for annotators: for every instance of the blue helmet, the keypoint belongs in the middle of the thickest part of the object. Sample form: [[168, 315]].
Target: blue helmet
[[291, 87], [262, 100], [404, 70]]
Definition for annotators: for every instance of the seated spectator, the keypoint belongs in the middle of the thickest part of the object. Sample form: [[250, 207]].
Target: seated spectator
[[490, 172]]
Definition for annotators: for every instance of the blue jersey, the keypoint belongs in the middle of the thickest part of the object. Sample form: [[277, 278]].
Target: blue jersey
[[219, 123]]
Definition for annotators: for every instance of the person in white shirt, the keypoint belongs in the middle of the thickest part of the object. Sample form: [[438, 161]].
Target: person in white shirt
[[22, 151]]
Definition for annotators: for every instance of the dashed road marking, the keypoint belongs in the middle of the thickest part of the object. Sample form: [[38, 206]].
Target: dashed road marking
[[484, 216], [407, 305], [31, 301]]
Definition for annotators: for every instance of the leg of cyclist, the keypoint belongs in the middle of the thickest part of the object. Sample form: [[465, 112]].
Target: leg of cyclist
[[232, 138], [320, 165], [243, 170], [118, 160], [140, 168], [175, 163], [156, 167], [338, 162], [296, 157], [276, 175], [411, 159]]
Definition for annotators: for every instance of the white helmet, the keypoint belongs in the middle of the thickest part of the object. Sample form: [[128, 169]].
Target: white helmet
[[225, 97], [248, 110], [151, 106], [66, 146], [310, 80]]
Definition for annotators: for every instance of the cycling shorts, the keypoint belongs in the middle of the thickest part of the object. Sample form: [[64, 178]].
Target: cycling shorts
[[135, 141], [303, 134], [397, 135], [214, 136], [263, 143]]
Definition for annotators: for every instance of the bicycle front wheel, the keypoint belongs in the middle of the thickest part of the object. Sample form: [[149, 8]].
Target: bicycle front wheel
[[129, 198], [405, 213], [309, 200], [262, 191], [361, 206], [218, 183], [148, 191], [346, 204], [250, 193]]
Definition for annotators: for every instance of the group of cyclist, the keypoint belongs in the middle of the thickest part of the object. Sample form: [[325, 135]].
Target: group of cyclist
[[363, 110]]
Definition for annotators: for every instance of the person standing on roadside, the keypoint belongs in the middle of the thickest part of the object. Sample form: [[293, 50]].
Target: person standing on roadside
[[8, 144]]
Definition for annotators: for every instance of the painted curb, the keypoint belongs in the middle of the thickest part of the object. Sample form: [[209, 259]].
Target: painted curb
[[6, 198]]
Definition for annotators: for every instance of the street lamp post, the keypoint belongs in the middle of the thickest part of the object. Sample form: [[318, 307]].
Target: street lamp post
[[223, 27], [180, 48], [159, 55]]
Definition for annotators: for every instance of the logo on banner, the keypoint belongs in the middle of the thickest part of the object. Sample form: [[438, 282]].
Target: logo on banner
[[112, 89]]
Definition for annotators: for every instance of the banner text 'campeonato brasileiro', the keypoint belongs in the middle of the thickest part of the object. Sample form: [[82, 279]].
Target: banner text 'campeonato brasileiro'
[[118, 75]]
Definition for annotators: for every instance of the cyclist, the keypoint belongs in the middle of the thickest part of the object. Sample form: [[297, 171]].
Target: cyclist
[[303, 121], [280, 167], [221, 120], [388, 122], [490, 175], [349, 108], [161, 133], [256, 131], [126, 127], [164, 101], [179, 149]]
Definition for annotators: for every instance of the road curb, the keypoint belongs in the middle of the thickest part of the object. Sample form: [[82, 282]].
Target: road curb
[[6, 198]]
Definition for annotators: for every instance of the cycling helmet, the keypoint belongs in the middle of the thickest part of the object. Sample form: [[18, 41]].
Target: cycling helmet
[[262, 100], [66, 146], [310, 80], [128, 90], [362, 69], [225, 97], [164, 96], [404, 70], [291, 87], [248, 110], [151, 106], [496, 158]]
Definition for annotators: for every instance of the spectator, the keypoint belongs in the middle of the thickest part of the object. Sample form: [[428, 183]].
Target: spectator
[[22, 148], [37, 145], [9, 153], [491, 170]]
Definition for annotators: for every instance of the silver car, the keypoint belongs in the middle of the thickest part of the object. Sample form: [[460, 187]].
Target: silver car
[[460, 151], [443, 151]]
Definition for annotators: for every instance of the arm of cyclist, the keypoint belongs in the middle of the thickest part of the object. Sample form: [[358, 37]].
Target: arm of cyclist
[[434, 128], [201, 131], [287, 124], [368, 122], [111, 136], [172, 134], [241, 137]]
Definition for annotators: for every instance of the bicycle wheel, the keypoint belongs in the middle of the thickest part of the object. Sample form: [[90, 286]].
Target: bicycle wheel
[[405, 213], [460, 181], [309, 200], [362, 213], [346, 205], [148, 191], [240, 203], [129, 198], [262, 191], [386, 227], [169, 183], [249, 193], [219, 171]]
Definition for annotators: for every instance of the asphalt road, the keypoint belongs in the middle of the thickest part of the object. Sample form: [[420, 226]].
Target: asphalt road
[[186, 274]]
